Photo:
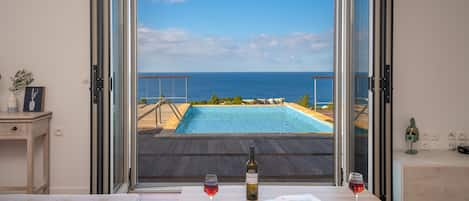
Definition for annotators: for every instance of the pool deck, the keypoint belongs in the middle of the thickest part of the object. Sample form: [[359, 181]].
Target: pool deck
[[170, 121], [296, 158]]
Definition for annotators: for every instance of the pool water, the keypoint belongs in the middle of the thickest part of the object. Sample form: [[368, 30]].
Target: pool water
[[249, 119]]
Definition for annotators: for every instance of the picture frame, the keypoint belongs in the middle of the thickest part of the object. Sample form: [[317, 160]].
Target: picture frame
[[34, 99]]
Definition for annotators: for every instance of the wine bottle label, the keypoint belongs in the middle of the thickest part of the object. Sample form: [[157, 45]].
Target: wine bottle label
[[251, 178]]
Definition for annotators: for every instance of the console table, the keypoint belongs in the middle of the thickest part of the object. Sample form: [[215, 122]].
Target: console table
[[431, 175], [28, 126]]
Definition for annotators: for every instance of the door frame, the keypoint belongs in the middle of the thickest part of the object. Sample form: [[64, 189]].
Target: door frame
[[383, 115], [371, 76], [99, 178], [101, 164], [133, 92], [341, 65]]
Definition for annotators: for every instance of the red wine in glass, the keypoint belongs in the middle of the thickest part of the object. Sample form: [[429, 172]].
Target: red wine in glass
[[355, 184], [211, 190], [356, 187], [211, 185]]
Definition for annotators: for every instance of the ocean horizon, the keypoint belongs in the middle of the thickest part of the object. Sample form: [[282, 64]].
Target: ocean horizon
[[202, 85]]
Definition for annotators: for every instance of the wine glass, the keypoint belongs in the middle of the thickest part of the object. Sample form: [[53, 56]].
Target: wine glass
[[355, 183], [211, 185]]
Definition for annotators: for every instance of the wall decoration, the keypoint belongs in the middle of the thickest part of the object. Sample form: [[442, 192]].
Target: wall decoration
[[34, 99], [412, 136]]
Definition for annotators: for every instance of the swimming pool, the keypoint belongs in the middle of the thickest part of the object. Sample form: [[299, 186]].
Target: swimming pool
[[249, 119]]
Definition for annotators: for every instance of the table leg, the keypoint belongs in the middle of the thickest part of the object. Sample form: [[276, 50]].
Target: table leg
[[46, 171], [30, 164]]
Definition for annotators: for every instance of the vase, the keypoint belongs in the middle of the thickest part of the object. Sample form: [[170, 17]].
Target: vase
[[12, 102], [20, 99]]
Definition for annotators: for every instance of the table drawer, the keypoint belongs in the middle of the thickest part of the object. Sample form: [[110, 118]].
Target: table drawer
[[12, 129]]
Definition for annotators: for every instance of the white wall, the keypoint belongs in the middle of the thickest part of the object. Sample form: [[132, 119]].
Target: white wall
[[431, 68], [51, 39]]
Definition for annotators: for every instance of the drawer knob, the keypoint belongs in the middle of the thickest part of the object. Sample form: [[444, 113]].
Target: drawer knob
[[14, 128]]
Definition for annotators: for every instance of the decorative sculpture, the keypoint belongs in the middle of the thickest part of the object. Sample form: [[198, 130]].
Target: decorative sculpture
[[411, 136]]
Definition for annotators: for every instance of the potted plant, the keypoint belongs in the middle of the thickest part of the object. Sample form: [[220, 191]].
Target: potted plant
[[20, 81]]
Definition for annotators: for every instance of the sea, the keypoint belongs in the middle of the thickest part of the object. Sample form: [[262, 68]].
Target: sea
[[249, 85]]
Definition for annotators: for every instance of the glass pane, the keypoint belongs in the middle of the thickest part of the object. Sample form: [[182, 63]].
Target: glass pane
[[360, 101], [215, 77], [116, 73]]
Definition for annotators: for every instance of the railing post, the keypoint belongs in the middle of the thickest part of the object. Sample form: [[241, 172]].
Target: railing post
[[315, 94], [159, 85], [159, 113], [186, 90], [156, 116]]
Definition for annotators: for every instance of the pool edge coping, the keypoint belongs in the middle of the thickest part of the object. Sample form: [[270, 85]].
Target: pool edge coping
[[173, 122], [316, 115], [170, 134]]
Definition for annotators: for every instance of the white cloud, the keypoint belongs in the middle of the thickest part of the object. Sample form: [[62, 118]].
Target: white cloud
[[179, 50]]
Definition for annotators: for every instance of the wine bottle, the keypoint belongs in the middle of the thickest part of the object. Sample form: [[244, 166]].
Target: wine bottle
[[251, 176]]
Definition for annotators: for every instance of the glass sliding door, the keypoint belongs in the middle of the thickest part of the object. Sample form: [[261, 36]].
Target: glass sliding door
[[108, 96], [116, 75], [361, 100]]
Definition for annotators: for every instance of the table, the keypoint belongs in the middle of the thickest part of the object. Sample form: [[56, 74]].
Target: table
[[266, 192], [28, 127], [195, 193]]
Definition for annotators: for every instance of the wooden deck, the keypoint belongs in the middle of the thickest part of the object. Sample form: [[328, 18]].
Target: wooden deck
[[148, 121], [306, 157]]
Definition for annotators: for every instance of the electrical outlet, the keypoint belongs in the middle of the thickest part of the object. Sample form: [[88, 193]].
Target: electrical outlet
[[424, 136], [461, 138], [451, 140], [425, 141], [434, 141], [425, 145], [435, 138], [58, 132]]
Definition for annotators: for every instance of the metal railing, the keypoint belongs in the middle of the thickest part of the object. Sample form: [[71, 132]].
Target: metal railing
[[157, 109], [162, 96], [319, 77], [315, 85]]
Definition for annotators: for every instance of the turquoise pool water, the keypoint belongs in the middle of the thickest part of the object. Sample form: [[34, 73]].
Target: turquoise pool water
[[249, 119]]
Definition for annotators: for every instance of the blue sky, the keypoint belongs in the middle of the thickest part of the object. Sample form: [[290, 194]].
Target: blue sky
[[235, 35]]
